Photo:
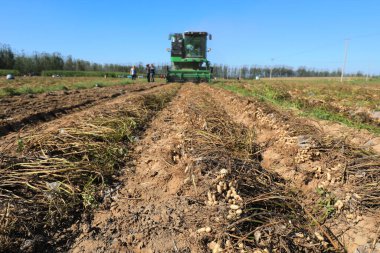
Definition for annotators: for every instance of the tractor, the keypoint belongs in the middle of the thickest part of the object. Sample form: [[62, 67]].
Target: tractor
[[189, 58]]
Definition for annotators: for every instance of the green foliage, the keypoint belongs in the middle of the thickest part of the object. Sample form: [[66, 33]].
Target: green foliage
[[20, 145], [4, 72], [7, 57], [88, 194], [11, 91], [325, 114], [326, 203]]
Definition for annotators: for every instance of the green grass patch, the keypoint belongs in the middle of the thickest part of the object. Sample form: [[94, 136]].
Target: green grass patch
[[322, 113], [278, 98], [4, 72]]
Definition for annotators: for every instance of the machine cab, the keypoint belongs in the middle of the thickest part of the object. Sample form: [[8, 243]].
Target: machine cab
[[189, 44], [195, 44]]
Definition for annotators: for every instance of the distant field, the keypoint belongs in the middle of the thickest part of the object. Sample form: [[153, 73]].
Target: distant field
[[37, 84]]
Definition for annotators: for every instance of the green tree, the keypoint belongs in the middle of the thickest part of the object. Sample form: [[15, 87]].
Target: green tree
[[69, 63], [7, 57], [24, 64]]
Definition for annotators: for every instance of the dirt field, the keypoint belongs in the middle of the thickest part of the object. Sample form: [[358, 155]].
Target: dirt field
[[183, 168]]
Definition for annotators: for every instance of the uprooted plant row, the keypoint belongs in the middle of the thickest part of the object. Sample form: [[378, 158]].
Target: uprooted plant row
[[344, 162], [254, 208], [345, 176], [63, 173]]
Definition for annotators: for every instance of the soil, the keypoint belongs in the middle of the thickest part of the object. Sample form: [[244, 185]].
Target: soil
[[160, 208]]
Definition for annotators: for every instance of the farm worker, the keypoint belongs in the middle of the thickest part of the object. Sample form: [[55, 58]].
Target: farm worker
[[147, 72], [190, 50], [152, 72], [133, 72]]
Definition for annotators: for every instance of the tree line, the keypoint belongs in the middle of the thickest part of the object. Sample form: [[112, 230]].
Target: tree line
[[36, 63], [251, 72]]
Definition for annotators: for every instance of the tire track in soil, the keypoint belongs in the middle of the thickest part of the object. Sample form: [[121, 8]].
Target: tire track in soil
[[25, 110], [8, 143], [271, 129], [152, 213]]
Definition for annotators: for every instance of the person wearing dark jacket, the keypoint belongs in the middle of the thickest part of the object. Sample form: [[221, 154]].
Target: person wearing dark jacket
[[152, 72], [147, 72]]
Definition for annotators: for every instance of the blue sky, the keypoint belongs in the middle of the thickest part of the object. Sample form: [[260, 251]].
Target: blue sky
[[247, 32]]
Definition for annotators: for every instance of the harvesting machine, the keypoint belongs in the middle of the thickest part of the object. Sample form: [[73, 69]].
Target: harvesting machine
[[189, 57]]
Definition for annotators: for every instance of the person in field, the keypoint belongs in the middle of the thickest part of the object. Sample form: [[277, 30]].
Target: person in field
[[148, 72], [134, 72], [152, 72]]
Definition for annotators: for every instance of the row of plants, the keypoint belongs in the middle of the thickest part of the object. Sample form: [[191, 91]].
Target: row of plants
[[257, 211], [60, 174], [279, 95]]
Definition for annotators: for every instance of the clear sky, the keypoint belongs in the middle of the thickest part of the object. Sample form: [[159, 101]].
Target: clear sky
[[248, 32]]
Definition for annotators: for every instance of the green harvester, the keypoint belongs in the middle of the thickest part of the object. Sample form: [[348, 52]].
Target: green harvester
[[189, 58]]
